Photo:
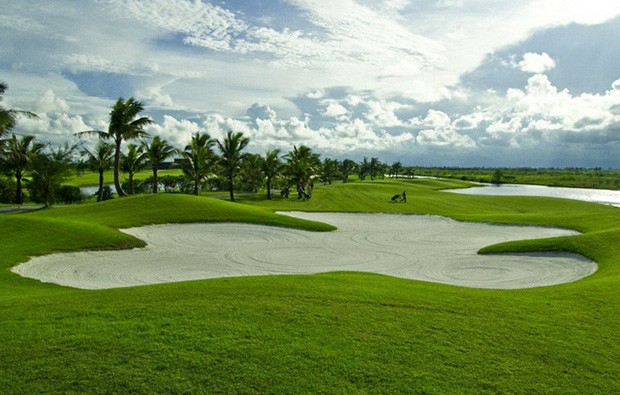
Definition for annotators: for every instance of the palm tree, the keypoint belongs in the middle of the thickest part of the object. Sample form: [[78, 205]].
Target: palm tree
[[328, 170], [8, 117], [230, 149], [345, 168], [363, 169], [124, 125], [272, 166], [374, 167], [158, 151], [18, 156], [396, 168], [49, 170], [132, 162], [301, 164], [99, 160], [252, 175], [198, 159]]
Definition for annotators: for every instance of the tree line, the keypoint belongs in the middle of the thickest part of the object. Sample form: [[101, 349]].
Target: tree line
[[205, 162]]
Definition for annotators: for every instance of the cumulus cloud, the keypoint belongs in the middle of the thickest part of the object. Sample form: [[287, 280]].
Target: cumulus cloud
[[49, 102], [536, 63], [335, 110]]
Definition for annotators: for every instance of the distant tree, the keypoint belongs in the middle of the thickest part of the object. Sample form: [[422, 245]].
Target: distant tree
[[124, 125], [498, 174], [155, 153], [99, 160], [374, 168], [252, 173], [346, 168], [132, 162], [409, 171], [301, 164], [396, 169], [329, 169], [17, 160], [363, 169], [230, 149], [48, 171], [272, 168], [197, 159]]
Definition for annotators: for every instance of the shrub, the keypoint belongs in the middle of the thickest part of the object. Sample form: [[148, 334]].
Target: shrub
[[7, 190], [69, 194], [107, 193]]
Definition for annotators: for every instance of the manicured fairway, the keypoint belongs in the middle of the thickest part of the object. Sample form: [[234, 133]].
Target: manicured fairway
[[335, 332]]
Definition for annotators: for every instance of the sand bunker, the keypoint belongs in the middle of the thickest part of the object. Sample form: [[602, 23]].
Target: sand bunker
[[424, 248]]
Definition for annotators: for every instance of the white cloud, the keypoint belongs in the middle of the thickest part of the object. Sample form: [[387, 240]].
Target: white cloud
[[449, 3], [536, 63], [335, 110], [49, 102]]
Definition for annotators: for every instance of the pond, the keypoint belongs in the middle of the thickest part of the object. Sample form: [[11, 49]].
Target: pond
[[601, 196]]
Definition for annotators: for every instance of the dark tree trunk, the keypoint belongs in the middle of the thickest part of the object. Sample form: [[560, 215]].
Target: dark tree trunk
[[18, 191], [268, 188], [155, 182], [196, 187], [230, 187], [117, 161], [100, 194], [132, 190]]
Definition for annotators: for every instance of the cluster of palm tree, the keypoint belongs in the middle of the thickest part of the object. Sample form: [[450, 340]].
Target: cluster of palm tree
[[204, 158]]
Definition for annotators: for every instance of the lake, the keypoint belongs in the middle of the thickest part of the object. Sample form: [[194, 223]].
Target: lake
[[601, 196]]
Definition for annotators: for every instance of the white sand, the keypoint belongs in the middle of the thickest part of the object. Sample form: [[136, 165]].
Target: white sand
[[424, 248]]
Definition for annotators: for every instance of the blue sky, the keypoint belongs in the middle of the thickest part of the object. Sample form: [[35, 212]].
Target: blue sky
[[426, 82]]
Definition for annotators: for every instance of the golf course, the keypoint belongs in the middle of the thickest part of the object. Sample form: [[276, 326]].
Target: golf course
[[344, 330]]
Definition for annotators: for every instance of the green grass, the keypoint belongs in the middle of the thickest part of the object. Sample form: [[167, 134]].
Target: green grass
[[326, 333], [90, 179]]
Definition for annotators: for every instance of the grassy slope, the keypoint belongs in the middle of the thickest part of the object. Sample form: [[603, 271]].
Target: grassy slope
[[336, 332]]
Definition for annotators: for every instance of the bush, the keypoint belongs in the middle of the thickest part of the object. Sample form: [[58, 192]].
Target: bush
[[69, 194], [138, 187], [7, 190], [170, 183], [107, 193]]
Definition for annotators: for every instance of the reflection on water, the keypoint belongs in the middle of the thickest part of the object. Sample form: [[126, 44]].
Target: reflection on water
[[601, 196], [90, 191]]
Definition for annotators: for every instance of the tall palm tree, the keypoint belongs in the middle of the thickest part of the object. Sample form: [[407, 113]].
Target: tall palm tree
[[8, 117], [302, 163], [132, 162], [197, 159], [124, 125], [345, 168], [156, 152], [99, 160], [18, 156], [230, 149], [272, 167]]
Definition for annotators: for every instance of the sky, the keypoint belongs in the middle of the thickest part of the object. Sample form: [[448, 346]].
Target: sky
[[532, 83]]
